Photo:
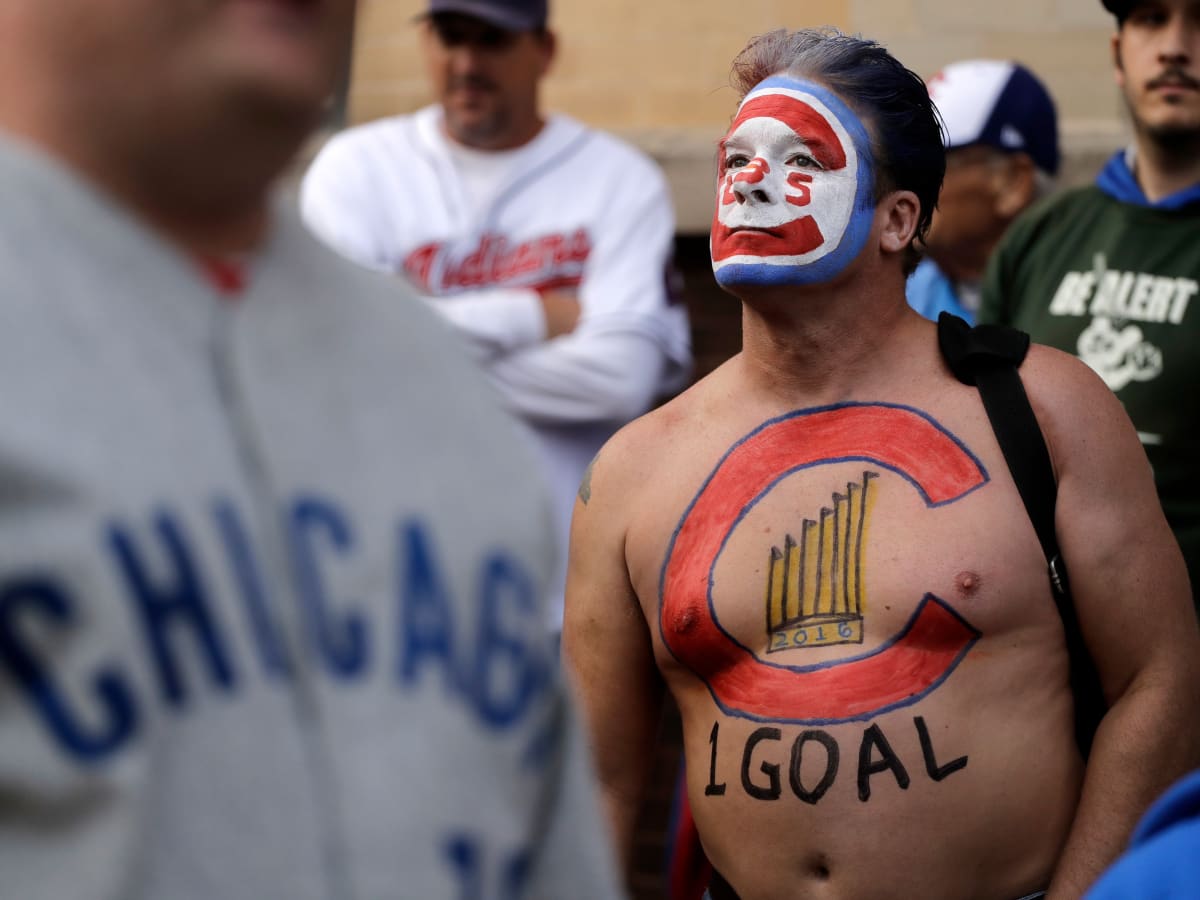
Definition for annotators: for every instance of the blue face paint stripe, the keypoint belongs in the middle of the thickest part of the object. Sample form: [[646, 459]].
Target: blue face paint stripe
[[858, 228]]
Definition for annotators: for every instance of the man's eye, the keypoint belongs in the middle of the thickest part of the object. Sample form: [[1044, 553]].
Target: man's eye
[[736, 162], [1148, 15], [451, 37], [804, 161], [496, 39]]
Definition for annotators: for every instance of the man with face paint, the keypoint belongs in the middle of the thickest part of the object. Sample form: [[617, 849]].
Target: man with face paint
[[819, 553], [271, 567], [794, 204]]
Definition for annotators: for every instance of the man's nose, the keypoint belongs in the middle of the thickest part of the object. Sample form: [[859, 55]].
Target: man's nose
[[1178, 39], [464, 58]]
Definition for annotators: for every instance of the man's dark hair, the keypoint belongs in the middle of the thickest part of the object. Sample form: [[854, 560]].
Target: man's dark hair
[[906, 135]]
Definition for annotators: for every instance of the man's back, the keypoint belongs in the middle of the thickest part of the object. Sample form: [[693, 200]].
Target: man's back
[[270, 619]]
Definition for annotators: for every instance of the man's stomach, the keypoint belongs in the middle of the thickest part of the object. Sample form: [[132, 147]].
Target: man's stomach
[[968, 793]]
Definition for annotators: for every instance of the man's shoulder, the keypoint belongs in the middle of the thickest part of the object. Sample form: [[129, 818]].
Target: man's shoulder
[[333, 282], [1061, 204], [1065, 392], [375, 320], [1047, 219], [650, 435]]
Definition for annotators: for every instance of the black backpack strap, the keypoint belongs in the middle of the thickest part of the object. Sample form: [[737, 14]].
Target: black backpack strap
[[988, 357]]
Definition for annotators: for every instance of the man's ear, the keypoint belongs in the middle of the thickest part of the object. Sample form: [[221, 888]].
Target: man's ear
[[900, 211], [1118, 66], [1014, 185], [549, 50]]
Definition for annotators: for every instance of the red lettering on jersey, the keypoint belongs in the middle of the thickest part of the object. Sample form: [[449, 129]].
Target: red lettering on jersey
[[418, 265], [554, 258]]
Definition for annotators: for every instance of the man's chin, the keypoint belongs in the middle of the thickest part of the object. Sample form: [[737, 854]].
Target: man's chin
[[751, 278], [1176, 133], [471, 124], [290, 113]]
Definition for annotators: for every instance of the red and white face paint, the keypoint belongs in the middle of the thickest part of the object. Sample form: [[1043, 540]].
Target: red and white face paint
[[794, 198]]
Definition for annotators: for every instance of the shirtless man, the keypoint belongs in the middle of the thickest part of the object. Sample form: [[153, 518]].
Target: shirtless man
[[819, 551]]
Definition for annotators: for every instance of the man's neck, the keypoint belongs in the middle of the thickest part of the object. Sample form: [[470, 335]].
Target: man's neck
[[1163, 169], [510, 139], [818, 345], [211, 227], [966, 268]]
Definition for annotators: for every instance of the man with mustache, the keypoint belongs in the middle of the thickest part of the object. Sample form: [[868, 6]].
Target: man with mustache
[[1111, 272], [819, 552], [545, 244], [271, 571]]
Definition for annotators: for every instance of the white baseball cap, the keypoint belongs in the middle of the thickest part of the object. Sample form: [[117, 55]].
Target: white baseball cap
[[998, 104]]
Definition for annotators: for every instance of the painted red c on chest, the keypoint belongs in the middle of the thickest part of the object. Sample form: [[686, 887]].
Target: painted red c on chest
[[903, 669]]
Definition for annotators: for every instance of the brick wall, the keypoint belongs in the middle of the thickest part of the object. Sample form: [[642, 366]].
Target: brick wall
[[657, 73]]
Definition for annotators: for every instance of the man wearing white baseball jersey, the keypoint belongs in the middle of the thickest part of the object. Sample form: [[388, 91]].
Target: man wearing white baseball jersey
[[271, 573], [543, 242]]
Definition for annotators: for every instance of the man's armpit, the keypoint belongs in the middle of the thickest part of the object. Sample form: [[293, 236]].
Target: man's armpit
[[585, 486]]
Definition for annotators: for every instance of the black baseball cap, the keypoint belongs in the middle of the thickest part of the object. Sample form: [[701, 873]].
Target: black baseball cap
[[1120, 8], [511, 15]]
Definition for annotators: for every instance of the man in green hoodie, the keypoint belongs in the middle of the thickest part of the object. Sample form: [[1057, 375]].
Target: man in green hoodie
[[1111, 271]]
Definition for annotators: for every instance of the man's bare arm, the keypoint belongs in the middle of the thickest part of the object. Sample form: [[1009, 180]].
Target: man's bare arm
[[561, 311], [607, 647], [1130, 589]]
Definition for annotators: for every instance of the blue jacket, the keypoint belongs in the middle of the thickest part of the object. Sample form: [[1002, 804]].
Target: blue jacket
[[1163, 860], [930, 292]]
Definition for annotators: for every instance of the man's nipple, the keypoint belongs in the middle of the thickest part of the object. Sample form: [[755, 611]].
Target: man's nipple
[[685, 619], [966, 584]]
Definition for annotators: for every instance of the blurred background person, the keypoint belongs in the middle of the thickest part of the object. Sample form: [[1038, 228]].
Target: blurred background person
[[271, 567], [1001, 134], [1162, 862], [1111, 271], [545, 243]]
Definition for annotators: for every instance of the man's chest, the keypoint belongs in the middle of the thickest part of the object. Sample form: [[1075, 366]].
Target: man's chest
[[864, 544]]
